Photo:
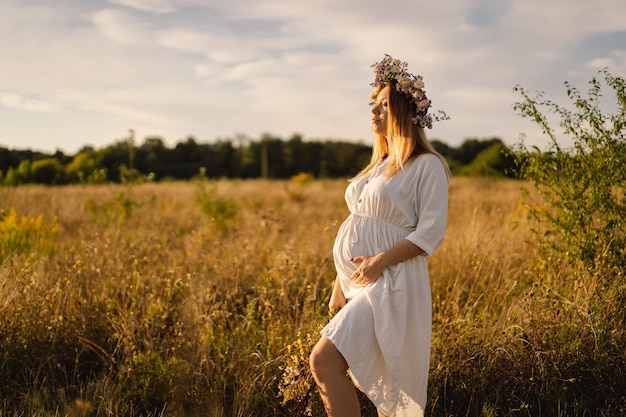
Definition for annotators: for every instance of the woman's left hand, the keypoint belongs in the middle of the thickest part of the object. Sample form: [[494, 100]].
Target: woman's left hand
[[368, 270]]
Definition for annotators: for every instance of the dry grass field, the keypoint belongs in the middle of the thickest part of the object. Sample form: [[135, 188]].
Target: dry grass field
[[181, 298]]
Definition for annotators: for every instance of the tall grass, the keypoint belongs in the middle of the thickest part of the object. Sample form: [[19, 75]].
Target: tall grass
[[163, 311]]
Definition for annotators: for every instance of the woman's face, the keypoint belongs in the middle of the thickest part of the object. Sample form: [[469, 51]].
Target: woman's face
[[380, 110]]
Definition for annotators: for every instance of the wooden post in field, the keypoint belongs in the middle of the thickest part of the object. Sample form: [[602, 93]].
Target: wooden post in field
[[264, 163]]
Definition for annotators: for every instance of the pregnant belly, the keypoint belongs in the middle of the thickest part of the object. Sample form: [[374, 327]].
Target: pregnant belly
[[363, 236]]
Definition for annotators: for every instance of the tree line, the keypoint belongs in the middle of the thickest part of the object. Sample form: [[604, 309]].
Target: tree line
[[240, 157]]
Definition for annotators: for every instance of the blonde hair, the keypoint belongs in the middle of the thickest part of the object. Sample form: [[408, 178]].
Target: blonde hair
[[404, 139]]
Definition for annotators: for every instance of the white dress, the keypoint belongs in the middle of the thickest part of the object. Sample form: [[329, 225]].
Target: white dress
[[384, 330]]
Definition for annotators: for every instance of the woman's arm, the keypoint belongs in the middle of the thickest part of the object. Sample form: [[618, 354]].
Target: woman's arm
[[337, 298], [431, 208], [371, 267]]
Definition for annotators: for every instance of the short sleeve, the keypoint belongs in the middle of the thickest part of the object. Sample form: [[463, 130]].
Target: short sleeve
[[431, 205]]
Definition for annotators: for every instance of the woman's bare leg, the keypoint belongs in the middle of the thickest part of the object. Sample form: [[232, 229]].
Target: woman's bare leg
[[329, 370]]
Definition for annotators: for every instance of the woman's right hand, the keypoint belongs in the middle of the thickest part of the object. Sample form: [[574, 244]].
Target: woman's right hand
[[337, 299]]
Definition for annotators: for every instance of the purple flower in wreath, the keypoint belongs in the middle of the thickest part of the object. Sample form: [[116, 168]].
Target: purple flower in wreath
[[394, 72]]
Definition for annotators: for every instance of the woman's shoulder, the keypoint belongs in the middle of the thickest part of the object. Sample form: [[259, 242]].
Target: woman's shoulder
[[428, 165], [427, 160]]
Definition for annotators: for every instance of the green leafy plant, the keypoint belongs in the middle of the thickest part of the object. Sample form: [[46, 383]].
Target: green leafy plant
[[122, 205], [220, 211], [581, 186], [579, 212]]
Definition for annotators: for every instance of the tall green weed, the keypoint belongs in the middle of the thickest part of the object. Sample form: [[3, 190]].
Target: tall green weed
[[218, 210]]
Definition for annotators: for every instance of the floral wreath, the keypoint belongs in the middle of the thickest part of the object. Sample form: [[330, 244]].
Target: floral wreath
[[394, 72]]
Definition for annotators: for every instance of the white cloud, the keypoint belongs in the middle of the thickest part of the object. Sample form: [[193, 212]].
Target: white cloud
[[153, 6], [209, 69], [186, 40], [567, 20], [19, 102], [121, 27], [616, 62], [222, 48]]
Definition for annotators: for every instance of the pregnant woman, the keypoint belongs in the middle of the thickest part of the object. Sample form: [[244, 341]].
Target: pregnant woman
[[398, 208]]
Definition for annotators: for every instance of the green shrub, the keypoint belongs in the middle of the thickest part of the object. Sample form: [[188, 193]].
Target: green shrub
[[23, 173], [121, 206], [580, 213], [491, 162], [47, 171], [221, 212], [84, 168], [11, 178], [582, 186]]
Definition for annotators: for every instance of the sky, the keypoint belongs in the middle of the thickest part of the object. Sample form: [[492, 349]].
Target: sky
[[77, 73]]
